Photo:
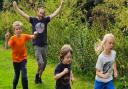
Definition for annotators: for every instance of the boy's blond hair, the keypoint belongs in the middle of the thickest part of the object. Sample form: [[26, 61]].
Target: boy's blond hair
[[17, 23], [64, 50]]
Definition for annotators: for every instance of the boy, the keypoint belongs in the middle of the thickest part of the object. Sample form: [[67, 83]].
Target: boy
[[19, 53], [63, 73]]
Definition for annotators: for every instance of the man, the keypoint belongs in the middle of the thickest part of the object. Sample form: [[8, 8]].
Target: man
[[39, 24]]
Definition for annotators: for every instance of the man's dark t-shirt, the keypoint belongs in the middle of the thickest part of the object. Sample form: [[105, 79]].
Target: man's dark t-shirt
[[64, 81], [41, 39]]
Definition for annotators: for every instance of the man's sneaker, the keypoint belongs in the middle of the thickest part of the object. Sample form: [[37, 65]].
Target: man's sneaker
[[37, 78], [40, 80]]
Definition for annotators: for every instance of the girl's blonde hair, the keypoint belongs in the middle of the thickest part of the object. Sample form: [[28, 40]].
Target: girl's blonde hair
[[17, 23], [99, 45], [64, 50]]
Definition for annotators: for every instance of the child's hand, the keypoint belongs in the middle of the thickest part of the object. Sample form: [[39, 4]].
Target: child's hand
[[7, 35], [106, 75], [65, 70], [62, 2], [72, 79], [115, 75], [14, 4], [35, 33]]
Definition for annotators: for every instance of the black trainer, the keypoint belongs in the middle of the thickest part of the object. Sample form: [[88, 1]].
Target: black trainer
[[37, 78], [40, 80]]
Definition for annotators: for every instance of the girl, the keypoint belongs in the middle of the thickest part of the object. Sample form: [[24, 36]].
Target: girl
[[63, 73], [106, 64]]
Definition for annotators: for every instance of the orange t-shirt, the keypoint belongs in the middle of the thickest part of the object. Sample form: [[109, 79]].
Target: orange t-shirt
[[17, 44]]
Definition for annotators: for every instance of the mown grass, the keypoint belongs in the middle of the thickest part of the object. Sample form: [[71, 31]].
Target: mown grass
[[6, 74]]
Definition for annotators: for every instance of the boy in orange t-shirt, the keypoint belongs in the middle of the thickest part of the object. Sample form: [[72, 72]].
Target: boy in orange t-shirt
[[19, 53]]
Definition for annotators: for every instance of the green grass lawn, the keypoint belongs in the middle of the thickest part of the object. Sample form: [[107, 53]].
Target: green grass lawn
[[6, 74]]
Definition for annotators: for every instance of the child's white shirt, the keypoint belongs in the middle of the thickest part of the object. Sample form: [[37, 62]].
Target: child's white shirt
[[105, 64]]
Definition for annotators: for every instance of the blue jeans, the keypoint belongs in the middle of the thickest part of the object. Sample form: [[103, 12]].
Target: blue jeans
[[17, 68], [102, 85]]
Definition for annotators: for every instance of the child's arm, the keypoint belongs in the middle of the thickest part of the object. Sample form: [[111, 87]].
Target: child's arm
[[55, 13], [20, 11], [115, 70], [72, 77], [7, 35], [59, 75], [7, 39], [100, 74], [34, 35]]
